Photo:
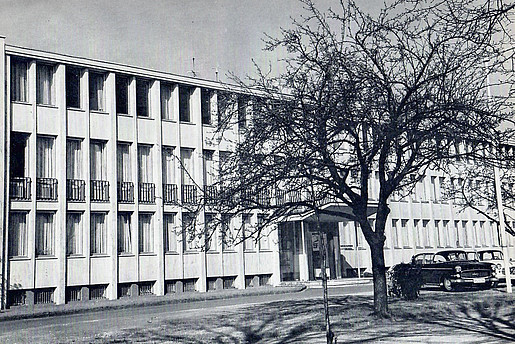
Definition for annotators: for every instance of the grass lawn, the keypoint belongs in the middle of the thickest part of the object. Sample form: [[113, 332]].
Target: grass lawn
[[436, 317]]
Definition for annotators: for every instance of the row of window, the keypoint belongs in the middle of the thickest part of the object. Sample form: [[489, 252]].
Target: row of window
[[46, 161], [429, 234], [45, 93], [75, 232]]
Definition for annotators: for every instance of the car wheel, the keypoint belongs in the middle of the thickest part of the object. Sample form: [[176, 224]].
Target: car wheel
[[447, 285]]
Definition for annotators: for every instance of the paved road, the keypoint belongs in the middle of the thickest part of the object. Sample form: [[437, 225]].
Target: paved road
[[78, 327]]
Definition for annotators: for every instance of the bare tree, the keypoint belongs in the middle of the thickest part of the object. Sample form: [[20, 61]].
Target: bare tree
[[392, 95]]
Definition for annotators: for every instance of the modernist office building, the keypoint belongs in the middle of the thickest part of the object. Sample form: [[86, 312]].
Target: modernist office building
[[92, 194]]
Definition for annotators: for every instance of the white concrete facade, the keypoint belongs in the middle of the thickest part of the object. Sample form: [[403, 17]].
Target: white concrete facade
[[47, 258]]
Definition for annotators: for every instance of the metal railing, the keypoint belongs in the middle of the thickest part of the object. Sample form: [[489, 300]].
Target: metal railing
[[46, 189], [125, 192], [20, 188], [188, 194], [169, 193], [210, 195], [99, 191], [146, 192], [76, 190]]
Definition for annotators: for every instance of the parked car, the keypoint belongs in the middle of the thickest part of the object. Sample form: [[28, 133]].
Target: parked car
[[453, 268], [496, 257]]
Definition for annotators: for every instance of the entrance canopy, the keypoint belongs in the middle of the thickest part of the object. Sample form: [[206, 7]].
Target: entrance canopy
[[334, 208]]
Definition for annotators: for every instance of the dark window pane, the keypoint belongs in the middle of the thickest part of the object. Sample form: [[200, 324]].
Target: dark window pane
[[184, 103], [122, 94], [73, 87], [206, 106], [142, 88]]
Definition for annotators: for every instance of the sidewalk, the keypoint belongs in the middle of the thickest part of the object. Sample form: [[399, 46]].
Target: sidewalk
[[333, 283], [46, 310]]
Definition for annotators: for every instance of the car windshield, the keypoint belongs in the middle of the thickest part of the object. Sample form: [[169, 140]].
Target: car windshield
[[490, 255]]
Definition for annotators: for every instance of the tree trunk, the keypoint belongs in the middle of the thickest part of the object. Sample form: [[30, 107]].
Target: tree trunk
[[379, 271]]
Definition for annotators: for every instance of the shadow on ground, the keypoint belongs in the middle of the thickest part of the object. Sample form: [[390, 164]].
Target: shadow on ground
[[480, 316]]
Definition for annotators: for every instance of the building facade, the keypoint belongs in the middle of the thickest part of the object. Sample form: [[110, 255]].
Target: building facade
[[102, 165]]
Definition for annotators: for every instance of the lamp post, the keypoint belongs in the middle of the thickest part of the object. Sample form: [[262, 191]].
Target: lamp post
[[504, 243]]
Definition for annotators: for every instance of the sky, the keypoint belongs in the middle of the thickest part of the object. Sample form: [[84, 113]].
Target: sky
[[222, 35]]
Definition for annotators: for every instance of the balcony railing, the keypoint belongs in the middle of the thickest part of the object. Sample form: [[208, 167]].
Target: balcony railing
[[188, 194], [46, 189], [76, 190], [146, 192], [20, 188], [210, 195], [169, 193], [125, 192], [99, 191]]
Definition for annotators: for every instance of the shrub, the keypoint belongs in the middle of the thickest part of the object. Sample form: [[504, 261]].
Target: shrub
[[404, 280]]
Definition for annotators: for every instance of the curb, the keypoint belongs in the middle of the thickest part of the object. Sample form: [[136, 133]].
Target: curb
[[70, 309]]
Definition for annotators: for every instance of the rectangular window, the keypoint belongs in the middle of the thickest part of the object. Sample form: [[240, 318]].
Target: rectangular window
[[44, 234], [18, 234], [242, 111], [467, 236], [73, 233], [19, 157], [189, 241], [439, 234], [45, 158], [428, 234], [184, 104], [209, 167], [222, 104], [122, 94], [419, 235], [346, 234], [145, 164], [45, 89], [210, 230], [433, 189], [19, 80], [396, 235], [124, 233], [205, 107], [98, 160], [96, 92], [146, 233], [249, 244], [227, 235], [73, 159], [73, 87], [187, 166], [406, 242], [142, 98], [446, 233], [264, 235], [168, 165], [482, 234], [166, 102], [496, 240], [458, 234], [98, 233], [170, 233], [124, 162], [388, 236]]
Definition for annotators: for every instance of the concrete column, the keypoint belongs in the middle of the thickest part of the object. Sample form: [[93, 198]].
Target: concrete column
[[303, 257], [84, 104], [31, 228], [60, 243], [4, 164], [276, 263], [196, 116], [155, 107], [111, 146], [240, 279]]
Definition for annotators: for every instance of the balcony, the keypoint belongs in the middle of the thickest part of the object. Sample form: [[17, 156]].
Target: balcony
[[46, 189], [20, 188], [125, 192], [170, 194], [75, 190], [99, 191], [210, 195], [146, 192], [189, 194]]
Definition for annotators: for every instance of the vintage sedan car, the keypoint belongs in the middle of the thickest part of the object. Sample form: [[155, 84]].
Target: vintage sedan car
[[453, 268], [496, 257]]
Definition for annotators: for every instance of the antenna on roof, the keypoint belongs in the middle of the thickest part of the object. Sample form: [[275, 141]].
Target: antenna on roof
[[193, 67], [216, 74]]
